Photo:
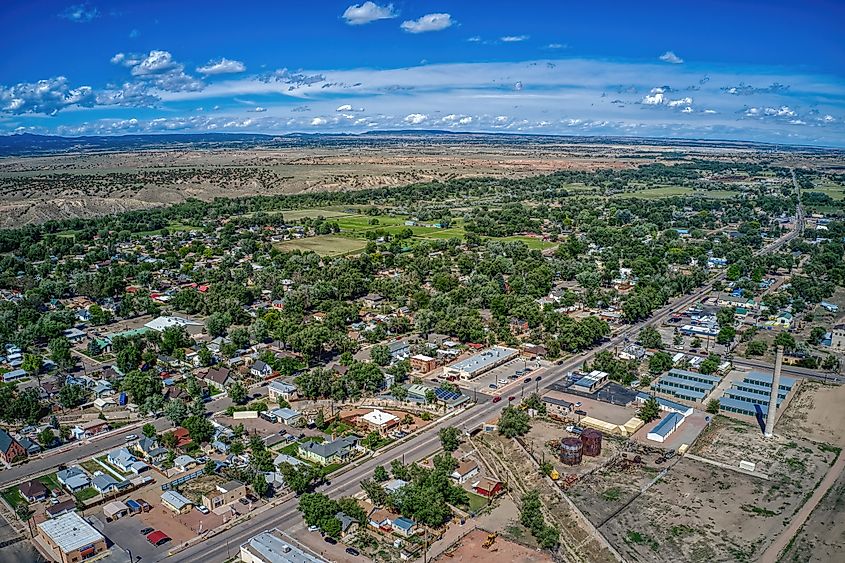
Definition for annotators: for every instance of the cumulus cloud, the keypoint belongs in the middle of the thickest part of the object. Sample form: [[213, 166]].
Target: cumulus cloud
[[415, 118], [744, 89], [678, 103], [221, 66], [344, 107], [671, 57], [368, 12], [80, 13], [514, 38], [555, 46], [428, 22], [656, 97], [159, 70], [45, 96], [259, 109], [318, 121], [474, 39]]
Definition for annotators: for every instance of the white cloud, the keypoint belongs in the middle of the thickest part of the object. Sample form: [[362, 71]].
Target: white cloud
[[670, 57], [828, 119], [259, 109], [80, 13], [318, 121], [158, 69], [687, 109], [45, 96], [428, 22], [368, 12], [656, 97], [134, 34], [518, 85], [514, 38], [555, 46], [465, 120], [344, 107], [415, 118], [474, 39], [221, 66], [678, 103]]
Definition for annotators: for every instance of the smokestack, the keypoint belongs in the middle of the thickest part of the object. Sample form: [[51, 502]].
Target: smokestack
[[773, 396]]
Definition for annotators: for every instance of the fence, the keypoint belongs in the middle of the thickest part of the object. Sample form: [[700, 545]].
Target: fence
[[183, 479]]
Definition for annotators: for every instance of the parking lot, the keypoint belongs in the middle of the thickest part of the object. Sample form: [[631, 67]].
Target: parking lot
[[126, 532], [506, 379]]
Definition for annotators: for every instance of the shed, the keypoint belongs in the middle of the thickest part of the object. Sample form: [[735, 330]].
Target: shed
[[115, 510]]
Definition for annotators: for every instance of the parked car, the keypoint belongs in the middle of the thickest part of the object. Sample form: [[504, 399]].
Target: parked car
[[313, 528], [330, 540], [130, 437], [158, 538], [503, 382], [202, 509], [497, 399], [147, 531], [574, 429], [352, 551], [493, 386], [527, 380], [577, 403], [512, 398]]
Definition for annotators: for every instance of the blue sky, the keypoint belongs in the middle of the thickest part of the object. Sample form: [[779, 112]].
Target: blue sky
[[763, 71]]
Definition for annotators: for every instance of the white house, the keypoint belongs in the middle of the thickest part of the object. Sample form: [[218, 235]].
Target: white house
[[281, 390]]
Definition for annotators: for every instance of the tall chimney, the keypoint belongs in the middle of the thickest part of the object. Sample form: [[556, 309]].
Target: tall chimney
[[773, 396]]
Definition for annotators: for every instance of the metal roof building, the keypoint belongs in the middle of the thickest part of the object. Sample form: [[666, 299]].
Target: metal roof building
[[481, 362], [268, 547], [70, 533]]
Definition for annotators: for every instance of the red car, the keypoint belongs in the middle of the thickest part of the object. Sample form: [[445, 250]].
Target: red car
[[158, 538], [497, 399]]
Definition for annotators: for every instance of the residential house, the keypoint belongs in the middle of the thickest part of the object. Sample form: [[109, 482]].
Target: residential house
[[382, 519], [372, 300], [423, 363], [327, 453], [393, 485], [260, 369], [126, 462], [218, 377], [13, 375], [89, 429], [150, 449], [348, 525], [279, 390], [289, 459], [104, 483], [73, 479], [29, 446], [10, 449], [33, 490], [184, 462], [63, 507], [176, 502], [404, 526], [183, 437], [466, 470], [223, 494], [487, 487]]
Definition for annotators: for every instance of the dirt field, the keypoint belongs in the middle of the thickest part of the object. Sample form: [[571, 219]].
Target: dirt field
[[816, 412], [325, 245], [469, 548], [822, 538]]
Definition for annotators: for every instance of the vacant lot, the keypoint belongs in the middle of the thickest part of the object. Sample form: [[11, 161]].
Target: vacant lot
[[816, 412], [469, 548], [325, 245], [822, 537]]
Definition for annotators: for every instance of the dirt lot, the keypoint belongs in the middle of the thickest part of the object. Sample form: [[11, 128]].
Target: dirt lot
[[816, 412], [469, 548], [822, 538]]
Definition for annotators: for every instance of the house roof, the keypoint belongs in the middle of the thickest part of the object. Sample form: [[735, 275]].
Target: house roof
[[32, 489], [184, 460], [328, 449], [70, 532], [379, 418], [404, 523], [103, 481], [217, 375], [175, 499], [281, 386], [6, 441]]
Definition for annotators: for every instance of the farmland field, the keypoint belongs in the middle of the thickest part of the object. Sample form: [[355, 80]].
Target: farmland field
[[325, 245]]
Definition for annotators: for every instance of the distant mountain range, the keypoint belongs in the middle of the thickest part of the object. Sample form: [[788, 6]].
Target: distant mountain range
[[29, 144]]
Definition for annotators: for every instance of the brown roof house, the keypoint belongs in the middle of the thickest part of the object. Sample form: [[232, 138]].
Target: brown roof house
[[218, 377], [33, 490]]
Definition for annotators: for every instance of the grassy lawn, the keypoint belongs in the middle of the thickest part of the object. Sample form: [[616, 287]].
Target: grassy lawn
[[91, 466], [297, 214], [12, 496], [476, 502], [530, 242], [50, 481], [673, 191], [86, 494], [324, 245]]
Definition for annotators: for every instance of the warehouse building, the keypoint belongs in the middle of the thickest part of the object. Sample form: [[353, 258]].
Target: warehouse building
[[686, 385], [269, 547], [750, 396], [665, 427], [481, 362]]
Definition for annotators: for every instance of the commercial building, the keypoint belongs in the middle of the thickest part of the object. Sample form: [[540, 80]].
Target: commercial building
[[665, 427], [223, 494], [70, 538], [686, 385], [269, 547], [423, 363], [379, 421], [750, 396], [176, 502], [475, 365], [665, 404], [591, 382]]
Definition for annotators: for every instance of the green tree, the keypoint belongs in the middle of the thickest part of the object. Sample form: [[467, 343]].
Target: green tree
[[148, 430], [60, 352], [260, 485], [46, 437], [726, 316], [649, 411], [210, 467], [786, 340], [513, 422], [650, 338], [659, 362], [72, 395], [449, 439], [237, 392], [199, 428], [726, 335], [32, 364], [380, 474], [380, 354], [176, 411], [710, 364], [756, 348], [713, 406]]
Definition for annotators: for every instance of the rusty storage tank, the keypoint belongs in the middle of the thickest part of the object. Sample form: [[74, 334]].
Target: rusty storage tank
[[592, 442], [570, 451]]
